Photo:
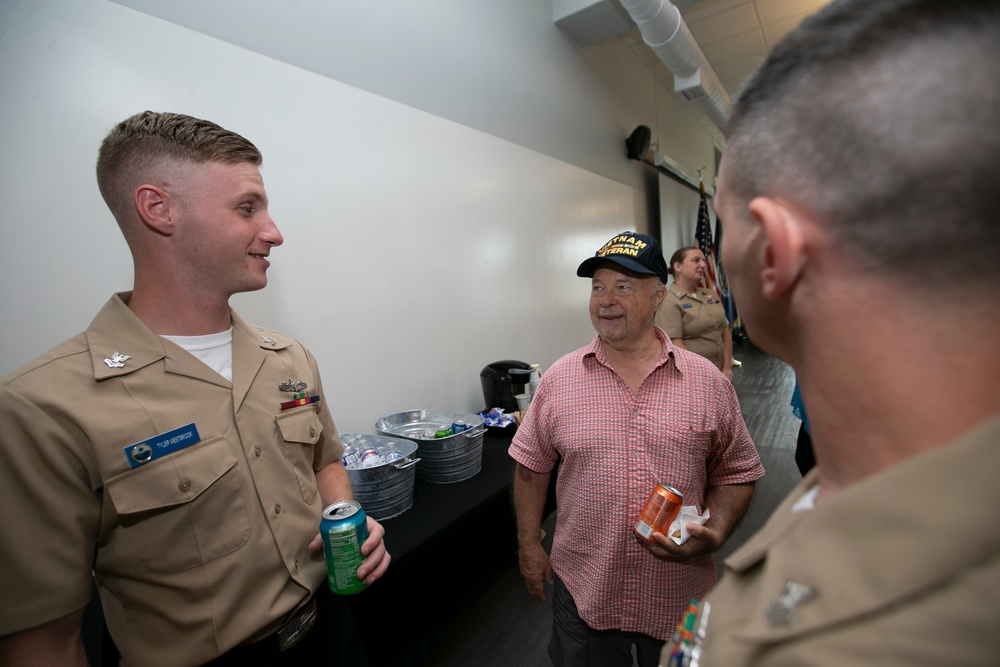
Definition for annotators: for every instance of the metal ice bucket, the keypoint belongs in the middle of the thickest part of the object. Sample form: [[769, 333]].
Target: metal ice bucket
[[442, 460], [385, 490]]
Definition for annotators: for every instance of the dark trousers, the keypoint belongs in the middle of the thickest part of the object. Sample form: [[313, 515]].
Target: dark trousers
[[333, 640], [804, 451], [575, 644]]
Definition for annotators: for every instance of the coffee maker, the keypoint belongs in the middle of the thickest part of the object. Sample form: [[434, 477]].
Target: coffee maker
[[500, 386]]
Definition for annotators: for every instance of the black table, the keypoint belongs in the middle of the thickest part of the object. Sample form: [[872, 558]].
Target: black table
[[445, 548], [436, 507]]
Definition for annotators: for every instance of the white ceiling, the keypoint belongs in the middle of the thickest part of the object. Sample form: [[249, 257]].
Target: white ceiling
[[735, 35]]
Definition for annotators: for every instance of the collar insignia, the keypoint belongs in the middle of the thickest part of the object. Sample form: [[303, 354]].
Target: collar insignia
[[782, 611], [117, 360]]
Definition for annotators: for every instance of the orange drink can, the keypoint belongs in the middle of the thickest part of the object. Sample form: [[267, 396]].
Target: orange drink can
[[660, 511]]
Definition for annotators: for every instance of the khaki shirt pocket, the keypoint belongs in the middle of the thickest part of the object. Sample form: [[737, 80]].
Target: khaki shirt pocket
[[184, 509], [300, 431]]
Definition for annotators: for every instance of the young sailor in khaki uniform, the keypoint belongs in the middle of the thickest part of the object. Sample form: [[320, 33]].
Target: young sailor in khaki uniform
[[859, 192], [176, 453]]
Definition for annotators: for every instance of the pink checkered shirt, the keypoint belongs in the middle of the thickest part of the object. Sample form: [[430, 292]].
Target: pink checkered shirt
[[683, 429]]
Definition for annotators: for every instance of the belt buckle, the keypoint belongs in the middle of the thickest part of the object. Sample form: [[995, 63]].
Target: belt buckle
[[297, 627]]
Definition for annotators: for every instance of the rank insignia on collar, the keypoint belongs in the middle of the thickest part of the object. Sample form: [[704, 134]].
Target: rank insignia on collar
[[117, 360], [782, 611], [271, 341], [294, 386]]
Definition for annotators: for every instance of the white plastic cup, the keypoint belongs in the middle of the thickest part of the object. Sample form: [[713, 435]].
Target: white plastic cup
[[523, 400]]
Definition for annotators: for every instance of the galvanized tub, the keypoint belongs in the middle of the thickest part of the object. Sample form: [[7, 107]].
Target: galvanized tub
[[442, 460], [384, 490]]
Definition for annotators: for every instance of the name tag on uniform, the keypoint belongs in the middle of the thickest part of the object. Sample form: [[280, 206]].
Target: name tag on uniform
[[685, 305], [161, 445]]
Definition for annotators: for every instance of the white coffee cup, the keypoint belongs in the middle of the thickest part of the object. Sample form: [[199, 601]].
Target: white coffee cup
[[523, 400]]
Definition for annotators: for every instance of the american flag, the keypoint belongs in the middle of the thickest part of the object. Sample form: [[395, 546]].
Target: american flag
[[727, 295], [703, 235]]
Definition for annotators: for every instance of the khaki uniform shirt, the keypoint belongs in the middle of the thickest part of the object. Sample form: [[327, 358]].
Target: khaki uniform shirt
[[194, 552], [696, 319], [902, 569]]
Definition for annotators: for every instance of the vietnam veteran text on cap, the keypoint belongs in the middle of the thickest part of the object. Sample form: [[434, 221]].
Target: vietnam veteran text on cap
[[638, 253]]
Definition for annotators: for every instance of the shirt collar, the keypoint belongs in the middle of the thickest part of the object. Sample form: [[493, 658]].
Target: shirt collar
[[120, 343], [667, 350], [676, 290]]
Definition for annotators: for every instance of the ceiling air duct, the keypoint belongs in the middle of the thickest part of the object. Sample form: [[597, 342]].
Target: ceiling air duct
[[665, 32]]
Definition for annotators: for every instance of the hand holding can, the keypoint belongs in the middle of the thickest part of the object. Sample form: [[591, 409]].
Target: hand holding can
[[344, 529], [659, 512]]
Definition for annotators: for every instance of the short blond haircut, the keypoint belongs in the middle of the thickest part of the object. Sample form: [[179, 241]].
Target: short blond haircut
[[144, 147]]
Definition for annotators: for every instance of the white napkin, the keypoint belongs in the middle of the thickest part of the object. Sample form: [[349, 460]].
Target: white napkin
[[687, 514]]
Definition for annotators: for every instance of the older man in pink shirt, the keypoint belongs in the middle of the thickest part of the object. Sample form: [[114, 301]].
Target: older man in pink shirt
[[626, 412]]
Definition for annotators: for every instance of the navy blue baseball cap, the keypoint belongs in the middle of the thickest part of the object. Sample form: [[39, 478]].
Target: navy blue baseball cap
[[638, 253]]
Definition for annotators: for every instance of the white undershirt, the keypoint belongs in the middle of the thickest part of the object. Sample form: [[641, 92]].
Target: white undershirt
[[807, 501], [214, 350]]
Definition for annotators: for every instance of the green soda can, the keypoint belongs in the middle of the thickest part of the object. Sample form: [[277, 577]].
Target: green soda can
[[344, 529]]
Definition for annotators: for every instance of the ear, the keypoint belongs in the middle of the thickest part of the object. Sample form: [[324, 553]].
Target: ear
[[153, 206], [784, 245], [661, 294]]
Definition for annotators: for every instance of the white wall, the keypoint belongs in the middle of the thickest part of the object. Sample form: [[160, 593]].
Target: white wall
[[418, 248], [679, 214]]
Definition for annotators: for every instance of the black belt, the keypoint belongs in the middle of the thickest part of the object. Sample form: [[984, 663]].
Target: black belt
[[291, 633], [297, 626]]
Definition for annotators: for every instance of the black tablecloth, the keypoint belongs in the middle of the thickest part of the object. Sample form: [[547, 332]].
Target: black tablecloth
[[438, 506], [452, 540]]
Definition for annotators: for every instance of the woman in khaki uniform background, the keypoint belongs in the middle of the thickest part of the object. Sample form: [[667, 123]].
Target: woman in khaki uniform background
[[693, 316]]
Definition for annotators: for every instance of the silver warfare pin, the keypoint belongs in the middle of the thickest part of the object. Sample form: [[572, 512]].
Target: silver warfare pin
[[291, 385]]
